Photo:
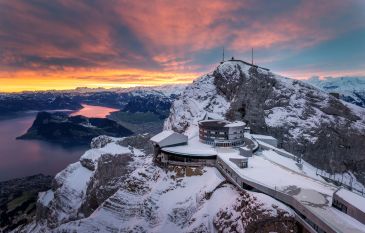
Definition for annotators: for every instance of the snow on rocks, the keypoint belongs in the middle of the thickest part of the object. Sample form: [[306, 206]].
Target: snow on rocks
[[198, 101], [147, 199], [70, 186], [255, 212], [154, 200], [65, 198], [45, 197], [101, 145], [292, 104], [100, 141], [350, 89], [307, 109], [230, 72]]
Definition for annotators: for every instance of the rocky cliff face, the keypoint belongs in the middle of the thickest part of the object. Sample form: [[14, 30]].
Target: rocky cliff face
[[80, 188], [329, 133], [115, 187]]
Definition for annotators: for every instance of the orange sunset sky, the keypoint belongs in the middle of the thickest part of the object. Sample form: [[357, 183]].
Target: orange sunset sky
[[67, 44]]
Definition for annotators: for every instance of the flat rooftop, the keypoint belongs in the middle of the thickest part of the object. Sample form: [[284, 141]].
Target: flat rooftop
[[193, 148], [221, 123], [213, 123], [353, 198], [164, 134], [236, 124], [260, 136]]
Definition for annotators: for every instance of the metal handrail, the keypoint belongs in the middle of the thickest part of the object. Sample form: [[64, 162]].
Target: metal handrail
[[350, 186]]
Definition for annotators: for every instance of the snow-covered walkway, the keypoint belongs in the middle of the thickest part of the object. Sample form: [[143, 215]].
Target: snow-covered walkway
[[298, 187]]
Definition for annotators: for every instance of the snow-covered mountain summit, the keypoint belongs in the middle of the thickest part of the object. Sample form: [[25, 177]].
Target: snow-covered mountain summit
[[328, 132]]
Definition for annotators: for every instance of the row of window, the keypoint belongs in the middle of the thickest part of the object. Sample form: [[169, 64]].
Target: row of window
[[237, 137], [213, 132], [223, 144], [222, 138], [228, 144], [219, 132]]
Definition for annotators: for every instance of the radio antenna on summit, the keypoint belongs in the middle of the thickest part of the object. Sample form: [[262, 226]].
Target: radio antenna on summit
[[252, 56], [223, 55]]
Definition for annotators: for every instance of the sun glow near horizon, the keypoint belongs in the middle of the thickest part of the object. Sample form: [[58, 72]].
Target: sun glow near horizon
[[67, 80]]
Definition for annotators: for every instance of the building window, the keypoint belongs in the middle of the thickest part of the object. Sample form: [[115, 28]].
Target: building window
[[338, 205]]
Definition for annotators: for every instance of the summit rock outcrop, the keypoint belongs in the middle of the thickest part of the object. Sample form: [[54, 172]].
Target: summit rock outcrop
[[328, 132]]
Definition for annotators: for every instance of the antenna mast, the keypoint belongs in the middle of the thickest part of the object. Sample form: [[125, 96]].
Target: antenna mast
[[223, 55], [252, 56]]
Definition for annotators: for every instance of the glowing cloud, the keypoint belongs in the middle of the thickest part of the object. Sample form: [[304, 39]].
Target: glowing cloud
[[65, 44]]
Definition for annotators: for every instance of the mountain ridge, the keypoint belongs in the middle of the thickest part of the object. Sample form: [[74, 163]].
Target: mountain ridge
[[328, 132], [161, 96]]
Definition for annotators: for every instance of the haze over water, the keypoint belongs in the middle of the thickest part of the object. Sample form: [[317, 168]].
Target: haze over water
[[20, 158]]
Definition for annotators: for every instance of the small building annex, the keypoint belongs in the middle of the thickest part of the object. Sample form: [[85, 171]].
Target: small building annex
[[169, 138], [350, 203], [175, 148]]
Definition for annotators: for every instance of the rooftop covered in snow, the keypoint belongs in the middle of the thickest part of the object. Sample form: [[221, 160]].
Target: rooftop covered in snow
[[169, 138], [352, 198], [193, 148], [220, 123], [280, 176]]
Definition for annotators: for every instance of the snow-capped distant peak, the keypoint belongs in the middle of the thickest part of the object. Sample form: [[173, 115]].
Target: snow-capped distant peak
[[338, 83], [350, 89]]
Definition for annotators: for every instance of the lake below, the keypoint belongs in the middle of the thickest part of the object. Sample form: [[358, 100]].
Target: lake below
[[20, 158], [94, 111]]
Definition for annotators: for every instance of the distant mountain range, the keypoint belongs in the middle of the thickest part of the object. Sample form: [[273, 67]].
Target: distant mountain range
[[351, 89], [139, 99]]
